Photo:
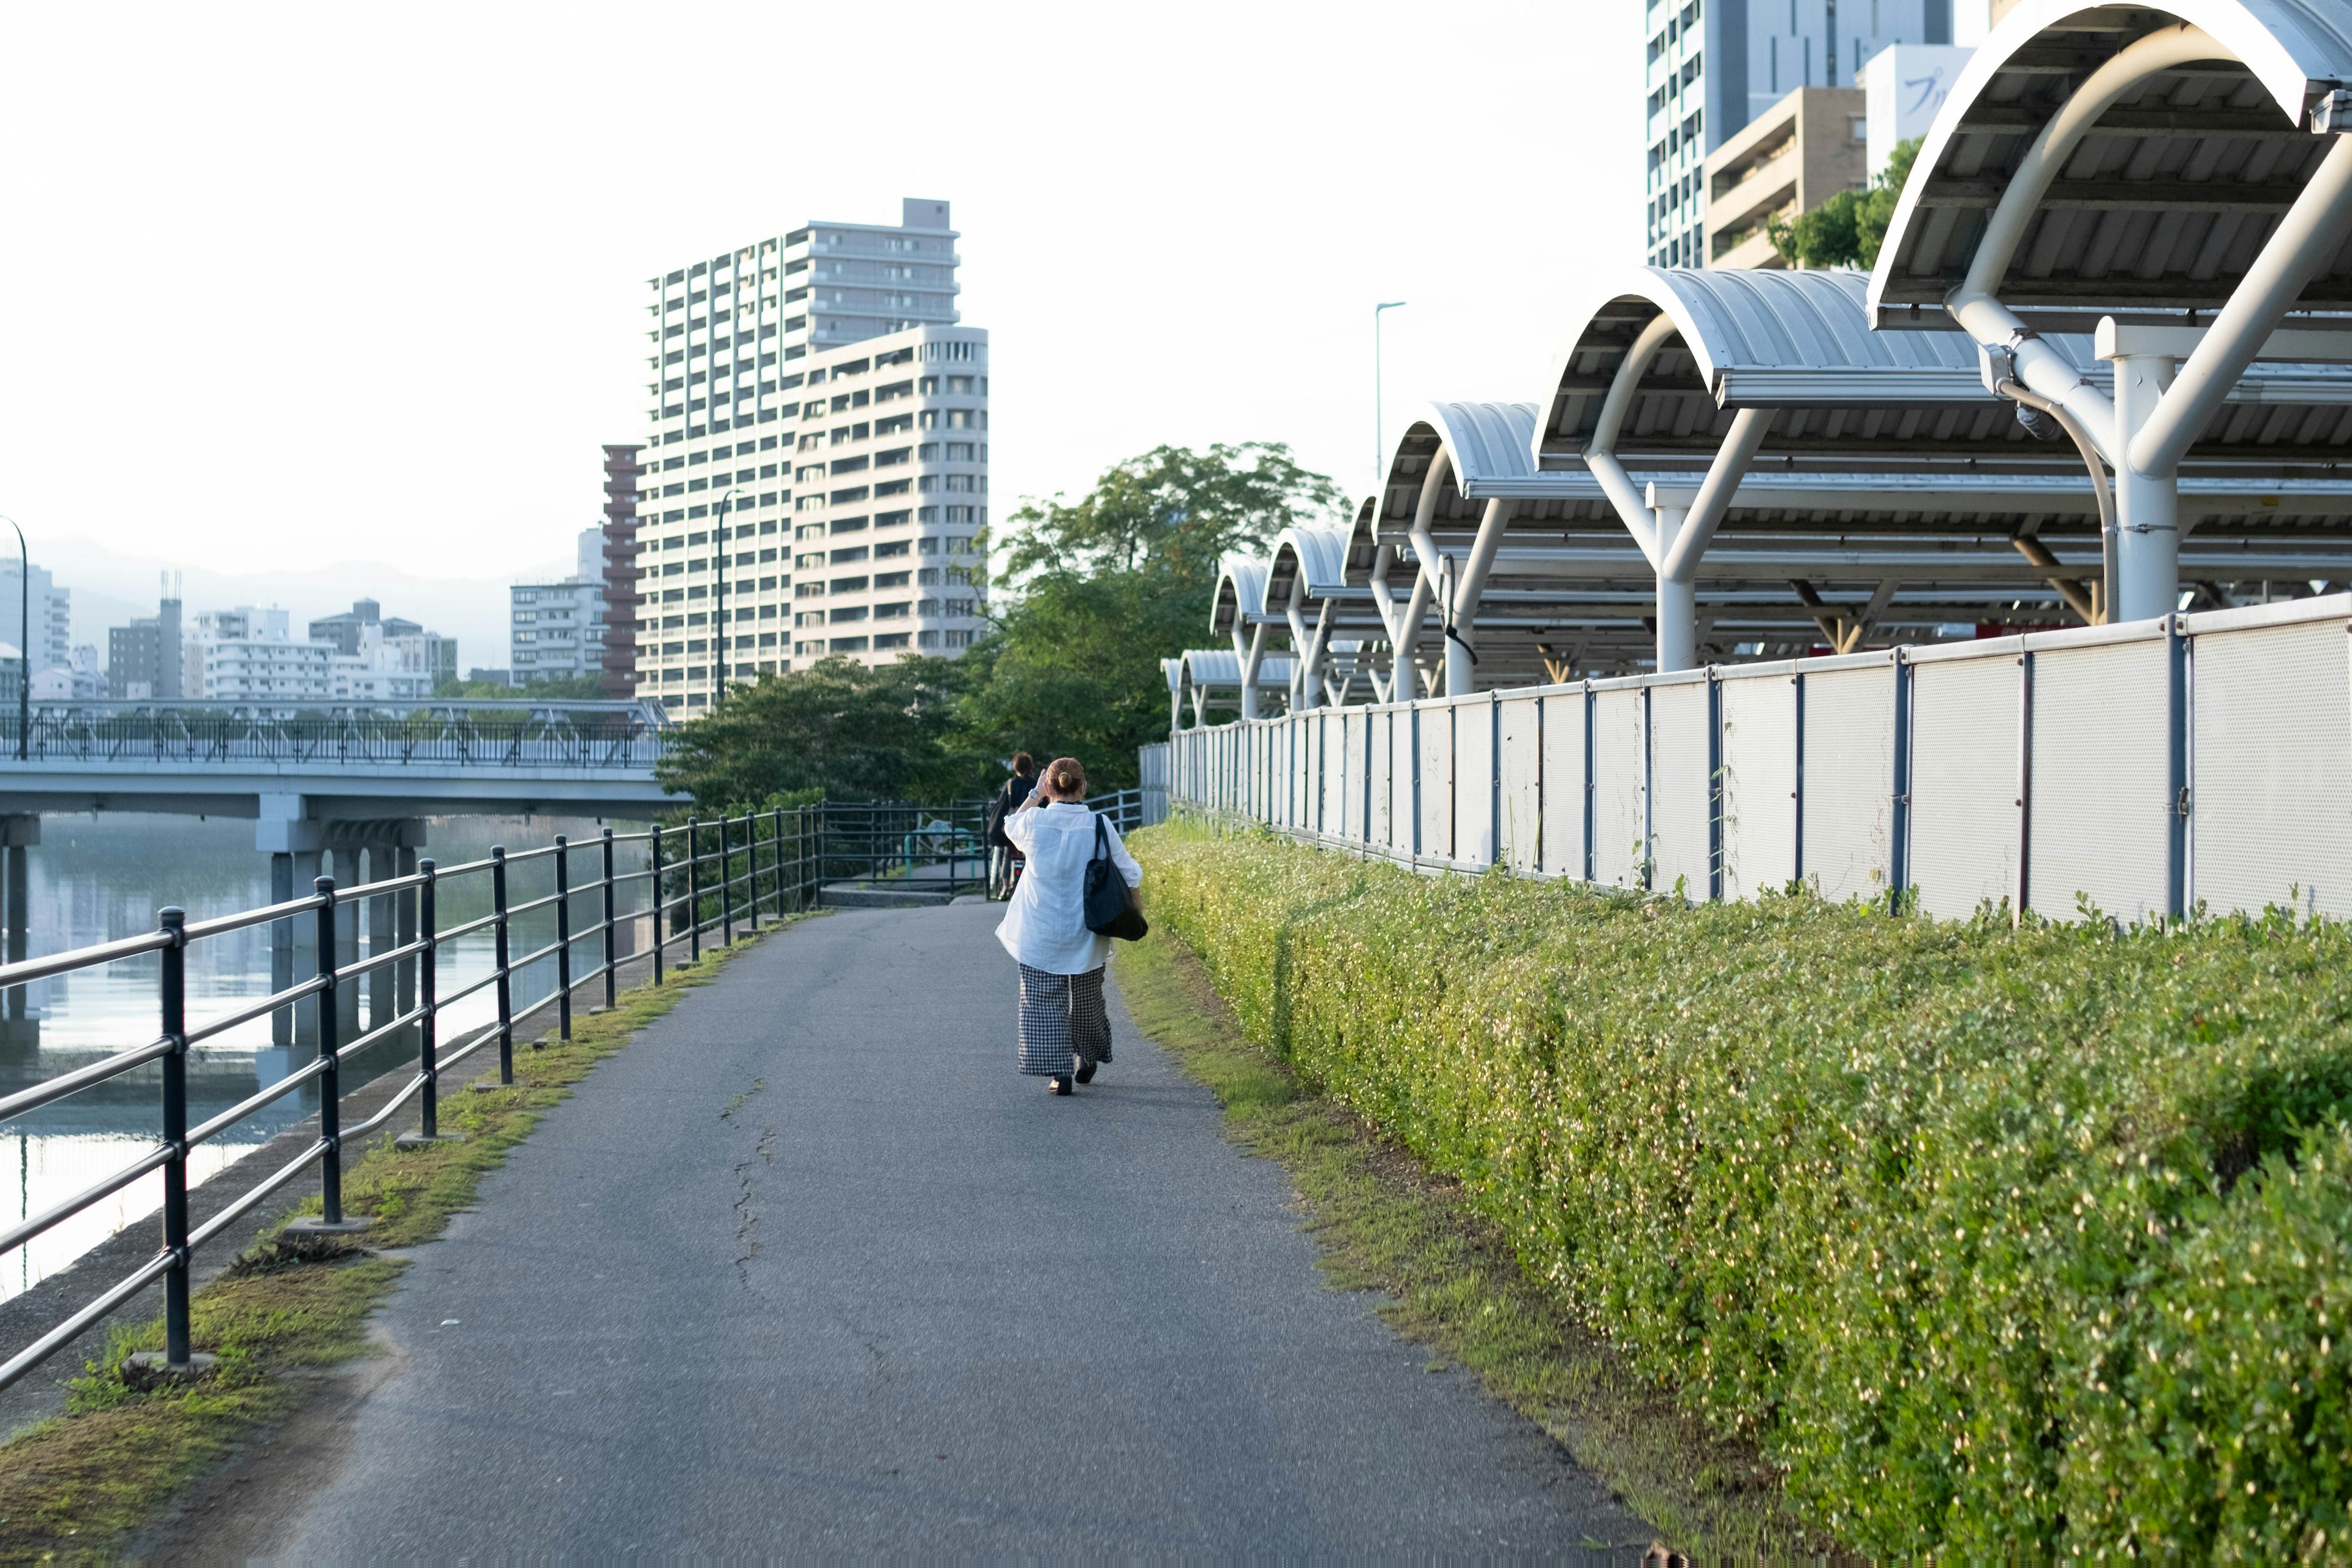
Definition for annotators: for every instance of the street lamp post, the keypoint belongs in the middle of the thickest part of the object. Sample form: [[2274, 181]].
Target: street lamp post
[[1379, 443], [23, 643], [722, 639]]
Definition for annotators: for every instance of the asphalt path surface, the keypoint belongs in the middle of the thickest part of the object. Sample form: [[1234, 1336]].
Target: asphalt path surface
[[810, 1269]]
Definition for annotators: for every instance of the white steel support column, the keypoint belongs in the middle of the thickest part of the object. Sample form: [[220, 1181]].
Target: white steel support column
[[1677, 635], [2148, 505], [1251, 653], [1469, 587]]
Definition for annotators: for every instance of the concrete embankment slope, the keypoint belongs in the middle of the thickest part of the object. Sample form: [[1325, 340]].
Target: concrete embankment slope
[[810, 1269]]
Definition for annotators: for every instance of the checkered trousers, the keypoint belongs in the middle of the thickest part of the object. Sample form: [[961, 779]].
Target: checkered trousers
[[1062, 1014]]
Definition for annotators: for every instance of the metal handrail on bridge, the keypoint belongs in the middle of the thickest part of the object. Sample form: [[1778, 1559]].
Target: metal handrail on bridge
[[785, 857], [486, 733]]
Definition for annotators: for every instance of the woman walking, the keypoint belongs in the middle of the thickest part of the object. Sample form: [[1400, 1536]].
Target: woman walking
[[1065, 1032]]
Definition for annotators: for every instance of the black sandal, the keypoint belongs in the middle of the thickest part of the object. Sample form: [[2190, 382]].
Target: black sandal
[[1057, 1086], [1086, 1073]]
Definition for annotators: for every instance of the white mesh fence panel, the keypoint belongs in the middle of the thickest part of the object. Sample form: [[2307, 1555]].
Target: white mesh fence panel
[[1437, 780], [1759, 783], [1849, 789], [2271, 805], [1965, 818], [1520, 720], [1563, 784], [2102, 794], [1400, 779], [1620, 831], [1474, 780], [1679, 788]]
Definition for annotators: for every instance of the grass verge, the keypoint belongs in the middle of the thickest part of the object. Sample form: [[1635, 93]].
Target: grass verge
[[283, 1313], [1386, 1223]]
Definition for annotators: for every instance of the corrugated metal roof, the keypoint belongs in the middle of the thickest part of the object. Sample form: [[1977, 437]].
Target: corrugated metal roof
[[1320, 554], [1241, 593], [1795, 342], [2165, 202], [1221, 667]]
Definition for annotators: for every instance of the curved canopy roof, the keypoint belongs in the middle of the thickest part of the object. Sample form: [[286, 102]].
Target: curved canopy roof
[[1851, 400], [1240, 600], [2166, 201]]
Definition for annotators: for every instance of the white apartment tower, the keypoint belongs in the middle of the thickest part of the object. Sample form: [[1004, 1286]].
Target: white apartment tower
[[816, 466]]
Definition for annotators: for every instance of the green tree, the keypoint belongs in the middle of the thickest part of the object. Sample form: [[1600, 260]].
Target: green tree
[[574, 688], [1847, 229], [854, 733], [1173, 511], [1101, 589]]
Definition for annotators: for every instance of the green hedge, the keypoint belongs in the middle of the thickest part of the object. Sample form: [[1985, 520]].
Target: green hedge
[[1995, 1238]]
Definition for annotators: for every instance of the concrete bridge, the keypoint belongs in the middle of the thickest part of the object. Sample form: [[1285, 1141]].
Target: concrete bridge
[[352, 783]]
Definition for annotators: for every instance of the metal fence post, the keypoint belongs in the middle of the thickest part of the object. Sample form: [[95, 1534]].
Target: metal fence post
[[612, 965], [726, 888], [563, 938], [693, 894], [175, 1138], [659, 938], [331, 1091], [428, 1039], [498, 939]]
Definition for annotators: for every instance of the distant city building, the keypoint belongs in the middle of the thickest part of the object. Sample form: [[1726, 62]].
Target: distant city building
[[51, 608], [1710, 69], [622, 595], [79, 679], [392, 653], [742, 343], [145, 661], [1906, 85], [556, 629], [1787, 160], [249, 655], [497, 677]]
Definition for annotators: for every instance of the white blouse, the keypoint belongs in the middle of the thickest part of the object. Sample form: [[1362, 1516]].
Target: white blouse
[[1045, 926]]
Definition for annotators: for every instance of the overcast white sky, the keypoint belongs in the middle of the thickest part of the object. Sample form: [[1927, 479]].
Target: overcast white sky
[[311, 302]]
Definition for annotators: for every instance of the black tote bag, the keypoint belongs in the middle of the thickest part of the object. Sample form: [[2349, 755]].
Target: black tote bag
[[1110, 902]]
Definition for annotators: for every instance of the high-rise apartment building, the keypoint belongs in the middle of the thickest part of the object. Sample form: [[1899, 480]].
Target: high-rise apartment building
[[817, 414], [1714, 65]]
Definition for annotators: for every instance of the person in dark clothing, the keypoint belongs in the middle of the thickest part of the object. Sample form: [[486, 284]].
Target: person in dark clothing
[[1004, 859]]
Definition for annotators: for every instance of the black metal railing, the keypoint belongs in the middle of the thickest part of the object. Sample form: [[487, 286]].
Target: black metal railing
[[705, 877], [764, 873], [616, 735]]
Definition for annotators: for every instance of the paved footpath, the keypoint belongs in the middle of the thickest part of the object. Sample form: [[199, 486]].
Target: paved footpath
[[810, 1269]]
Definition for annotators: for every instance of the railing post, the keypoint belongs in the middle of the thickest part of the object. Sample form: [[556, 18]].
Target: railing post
[[331, 1091], [563, 937], [175, 1138], [611, 963], [428, 1038], [776, 861], [498, 939], [693, 893], [660, 937], [726, 888]]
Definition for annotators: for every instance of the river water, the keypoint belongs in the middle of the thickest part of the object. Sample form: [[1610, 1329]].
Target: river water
[[93, 879]]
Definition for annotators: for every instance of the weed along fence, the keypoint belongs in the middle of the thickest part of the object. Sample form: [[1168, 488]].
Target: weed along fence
[[2148, 768], [680, 886]]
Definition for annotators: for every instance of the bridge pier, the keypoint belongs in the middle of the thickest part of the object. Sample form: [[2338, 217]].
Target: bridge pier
[[18, 833]]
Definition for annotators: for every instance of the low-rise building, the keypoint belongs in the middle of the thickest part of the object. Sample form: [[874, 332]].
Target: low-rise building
[[249, 655], [1787, 160], [556, 630], [79, 679]]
